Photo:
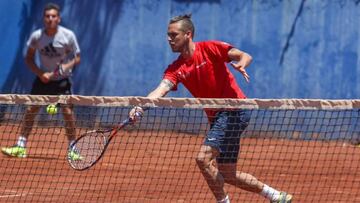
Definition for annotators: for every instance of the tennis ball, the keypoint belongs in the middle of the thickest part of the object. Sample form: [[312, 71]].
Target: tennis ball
[[51, 109]]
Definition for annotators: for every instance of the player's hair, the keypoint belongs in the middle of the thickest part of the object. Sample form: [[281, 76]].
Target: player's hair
[[50, 6], [186, 23]]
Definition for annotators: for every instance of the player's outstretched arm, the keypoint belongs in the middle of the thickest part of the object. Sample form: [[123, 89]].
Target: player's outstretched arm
[[164, 87]]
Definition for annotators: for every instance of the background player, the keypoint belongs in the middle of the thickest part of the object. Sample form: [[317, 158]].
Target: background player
[[54, 44]]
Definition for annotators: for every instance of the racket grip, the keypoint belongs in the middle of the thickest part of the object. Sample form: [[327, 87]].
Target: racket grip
[[138, 115]]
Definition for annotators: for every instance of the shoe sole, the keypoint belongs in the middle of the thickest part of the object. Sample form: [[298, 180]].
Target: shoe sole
[[10, 155]]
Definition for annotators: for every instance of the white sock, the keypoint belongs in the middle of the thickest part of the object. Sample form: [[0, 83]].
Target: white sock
[[270, 193], [21, 141], [225, 200], [71, 143]]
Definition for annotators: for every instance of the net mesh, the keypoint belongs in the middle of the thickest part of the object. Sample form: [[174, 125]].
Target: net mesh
[[308, 148]]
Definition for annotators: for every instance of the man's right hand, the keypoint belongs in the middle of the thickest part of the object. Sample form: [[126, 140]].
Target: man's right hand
[[45, 77], [136, 113]]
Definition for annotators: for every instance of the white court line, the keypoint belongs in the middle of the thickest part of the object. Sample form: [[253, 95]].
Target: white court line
[[13, 193], [7, 196]]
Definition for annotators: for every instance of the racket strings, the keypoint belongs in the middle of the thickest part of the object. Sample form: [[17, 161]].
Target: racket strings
[[90, 148]]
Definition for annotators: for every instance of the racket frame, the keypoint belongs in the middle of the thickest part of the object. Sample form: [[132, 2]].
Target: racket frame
[[113, 132]]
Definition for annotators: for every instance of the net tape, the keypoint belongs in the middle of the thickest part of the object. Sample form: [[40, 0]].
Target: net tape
[[182, 102]]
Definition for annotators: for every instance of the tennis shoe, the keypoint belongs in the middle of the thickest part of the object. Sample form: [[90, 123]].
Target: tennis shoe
[[74, 155], [284, 198], [14, 151]]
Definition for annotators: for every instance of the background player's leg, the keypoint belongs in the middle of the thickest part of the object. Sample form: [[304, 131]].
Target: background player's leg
[[19, 149], [28, 120], [70, 129], [70, 126]]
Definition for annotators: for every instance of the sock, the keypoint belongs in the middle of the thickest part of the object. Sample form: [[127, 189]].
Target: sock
[[21, 141], [225, 200], [71, 143], [270, 193]]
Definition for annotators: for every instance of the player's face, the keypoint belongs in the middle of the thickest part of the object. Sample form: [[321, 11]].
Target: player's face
[[51, 19], [177, 38]]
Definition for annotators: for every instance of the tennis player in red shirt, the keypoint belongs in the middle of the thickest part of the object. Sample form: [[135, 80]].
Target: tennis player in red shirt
[[201, 68]]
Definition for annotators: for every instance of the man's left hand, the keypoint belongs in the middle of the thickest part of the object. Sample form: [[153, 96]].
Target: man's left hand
[[241, 68]]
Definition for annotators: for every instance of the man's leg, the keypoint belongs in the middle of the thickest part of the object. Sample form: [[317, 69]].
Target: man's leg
[[70, 129], [249, 183], [239, 179], [19, 150], [232, 124], [207, 165], [28, 121]]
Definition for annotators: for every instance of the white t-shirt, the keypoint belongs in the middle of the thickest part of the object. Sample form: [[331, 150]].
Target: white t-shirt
[[53, 50]]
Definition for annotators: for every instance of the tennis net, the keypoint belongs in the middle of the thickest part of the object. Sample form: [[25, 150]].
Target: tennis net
[[308, 148]]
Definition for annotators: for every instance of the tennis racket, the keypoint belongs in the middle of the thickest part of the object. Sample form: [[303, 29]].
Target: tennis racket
[[69, 58], [91, 146]]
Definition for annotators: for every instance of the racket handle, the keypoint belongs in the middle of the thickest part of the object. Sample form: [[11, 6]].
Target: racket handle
[[138, 115]]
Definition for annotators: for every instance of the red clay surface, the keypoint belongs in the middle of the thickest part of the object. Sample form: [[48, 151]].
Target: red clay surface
[[160, 167]]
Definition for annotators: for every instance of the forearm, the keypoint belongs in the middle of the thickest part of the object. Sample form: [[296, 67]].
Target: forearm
[[164, 87], [33, 67], [241, 57], [246, 59], [157, 93], [71, 64]]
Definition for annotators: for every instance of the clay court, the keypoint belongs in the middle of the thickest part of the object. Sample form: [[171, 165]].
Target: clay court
[[159, 166]]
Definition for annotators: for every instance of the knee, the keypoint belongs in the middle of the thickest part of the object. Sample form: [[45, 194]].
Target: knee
[[67, 112], [202, 163], [32, 109], [206, 157]]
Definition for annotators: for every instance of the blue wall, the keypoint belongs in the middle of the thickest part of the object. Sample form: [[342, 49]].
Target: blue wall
[[301, 49]]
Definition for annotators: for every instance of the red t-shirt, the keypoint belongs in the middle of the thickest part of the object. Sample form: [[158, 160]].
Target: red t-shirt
[[205, 74]]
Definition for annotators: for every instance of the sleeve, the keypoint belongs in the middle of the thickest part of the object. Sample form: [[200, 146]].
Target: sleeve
[[220, 50], [74, 45], [170, 74], [32, 42]]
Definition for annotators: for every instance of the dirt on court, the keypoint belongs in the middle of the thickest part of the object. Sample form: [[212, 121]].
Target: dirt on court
[[159, 166]]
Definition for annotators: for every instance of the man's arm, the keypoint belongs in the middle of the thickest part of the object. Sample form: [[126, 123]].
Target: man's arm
[[242, 59], [73, 54], [30, 62], [71, 64], [164, 87]]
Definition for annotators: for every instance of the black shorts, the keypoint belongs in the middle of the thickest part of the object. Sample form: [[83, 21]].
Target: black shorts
[[61, 87]]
